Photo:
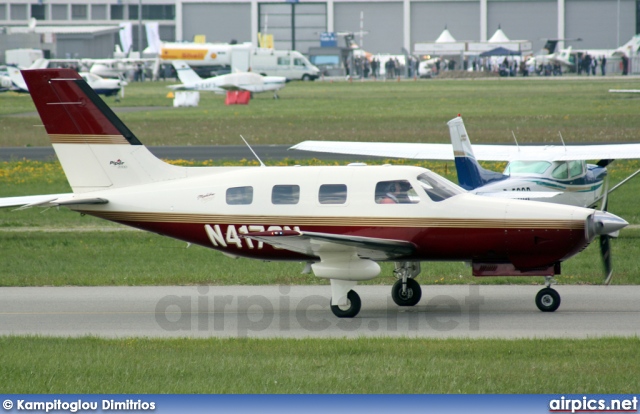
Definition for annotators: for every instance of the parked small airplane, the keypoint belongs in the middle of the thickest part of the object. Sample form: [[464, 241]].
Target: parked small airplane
[[341, 221], [567, 57], [5, 80], [101, 86], [239, 81]]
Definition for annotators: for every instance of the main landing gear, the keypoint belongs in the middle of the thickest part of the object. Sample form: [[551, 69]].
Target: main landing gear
[[548, 299], [406, 291]]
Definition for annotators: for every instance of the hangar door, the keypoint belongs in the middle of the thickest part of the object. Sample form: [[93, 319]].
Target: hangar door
[[293, 25]]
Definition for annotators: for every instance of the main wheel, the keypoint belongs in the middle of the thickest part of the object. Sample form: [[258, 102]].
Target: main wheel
[[410, 297], [353, 303], [548, 300]]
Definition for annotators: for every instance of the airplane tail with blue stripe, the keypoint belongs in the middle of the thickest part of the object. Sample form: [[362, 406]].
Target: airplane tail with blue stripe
[[470, 174]]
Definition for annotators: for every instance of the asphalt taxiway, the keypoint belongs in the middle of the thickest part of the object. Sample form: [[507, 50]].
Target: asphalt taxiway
[[303, 311], [196, 153]]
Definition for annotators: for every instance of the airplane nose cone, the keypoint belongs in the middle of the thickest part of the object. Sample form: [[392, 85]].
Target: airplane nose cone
[[601, 222]]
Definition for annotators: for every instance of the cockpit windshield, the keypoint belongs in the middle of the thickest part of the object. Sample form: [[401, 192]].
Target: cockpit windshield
[[438, 188], [527, 167]]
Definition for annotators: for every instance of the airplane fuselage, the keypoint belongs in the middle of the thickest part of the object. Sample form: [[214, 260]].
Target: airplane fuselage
[[215, 210], [578, 183], [340, 220]]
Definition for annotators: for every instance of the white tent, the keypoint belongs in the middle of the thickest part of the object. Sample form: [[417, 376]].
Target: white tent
[[445, 37], [445, 44], [499, 37]]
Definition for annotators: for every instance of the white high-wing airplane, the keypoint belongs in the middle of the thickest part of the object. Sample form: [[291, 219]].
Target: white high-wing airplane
[[341, 220], [564, 57], [553, 173], [239, 81]]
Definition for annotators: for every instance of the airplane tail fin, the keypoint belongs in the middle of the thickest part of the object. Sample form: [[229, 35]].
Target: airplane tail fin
[[185, 73], [96, 150], [630, 48], [17, 79], [40, 63], [470, 174]]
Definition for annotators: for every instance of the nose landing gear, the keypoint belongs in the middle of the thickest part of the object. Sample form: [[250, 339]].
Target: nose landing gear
[[548, 299]]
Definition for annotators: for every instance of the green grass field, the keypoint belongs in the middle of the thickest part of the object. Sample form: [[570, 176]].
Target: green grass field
[[535, 110], [364, 365]]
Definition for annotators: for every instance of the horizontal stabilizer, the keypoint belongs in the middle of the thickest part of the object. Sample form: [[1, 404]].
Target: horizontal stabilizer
[[49, 200], [33, 200]]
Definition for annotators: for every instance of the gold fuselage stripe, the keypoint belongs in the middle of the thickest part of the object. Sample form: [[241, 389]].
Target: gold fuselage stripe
[[418, 222], [87, 139]]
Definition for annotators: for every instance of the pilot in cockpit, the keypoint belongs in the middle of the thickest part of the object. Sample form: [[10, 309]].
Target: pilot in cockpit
[[393, 192]]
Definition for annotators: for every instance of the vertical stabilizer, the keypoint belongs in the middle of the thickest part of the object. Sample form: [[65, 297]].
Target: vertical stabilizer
[[186, 75], [96, 149], [470, 174], [16, 79]]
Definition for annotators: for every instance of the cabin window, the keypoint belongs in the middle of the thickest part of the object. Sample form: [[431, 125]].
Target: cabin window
[[527, 167], [285, 194], [298, 62], [438, 188], [240, 195], [575, 168], [332, 194], [395, 192], [561, 172], [284, 61]]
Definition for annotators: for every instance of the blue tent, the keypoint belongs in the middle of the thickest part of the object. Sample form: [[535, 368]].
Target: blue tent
[[499, 51]]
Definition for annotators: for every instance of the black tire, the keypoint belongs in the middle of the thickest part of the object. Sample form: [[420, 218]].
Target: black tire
[[306, 78], [353, 309], [548, 300], [412, 295]]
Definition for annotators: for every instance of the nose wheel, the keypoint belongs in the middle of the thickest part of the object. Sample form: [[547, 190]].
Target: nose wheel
[[548, 300], [352, 307]]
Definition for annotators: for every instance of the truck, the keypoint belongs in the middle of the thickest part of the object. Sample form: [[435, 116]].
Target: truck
[[212, 59], [22, 58], [288, 63]]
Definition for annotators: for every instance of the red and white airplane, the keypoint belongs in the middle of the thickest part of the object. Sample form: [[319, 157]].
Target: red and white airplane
[[340, 220]]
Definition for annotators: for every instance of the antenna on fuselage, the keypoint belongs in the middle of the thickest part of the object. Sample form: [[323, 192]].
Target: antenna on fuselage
[[253, 152], [561, 139], [514, 138]]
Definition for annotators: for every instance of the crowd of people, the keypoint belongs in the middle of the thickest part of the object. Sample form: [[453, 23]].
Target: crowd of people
[[392, 67]]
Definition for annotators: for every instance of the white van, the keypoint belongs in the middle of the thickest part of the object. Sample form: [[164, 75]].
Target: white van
[[288, 63]]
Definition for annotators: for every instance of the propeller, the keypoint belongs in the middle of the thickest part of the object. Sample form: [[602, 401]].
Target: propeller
[[605, 239]]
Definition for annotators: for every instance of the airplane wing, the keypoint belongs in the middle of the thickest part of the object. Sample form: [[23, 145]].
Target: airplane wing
[[316, 244], [482, 152], [48, 200], [232, 87]]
